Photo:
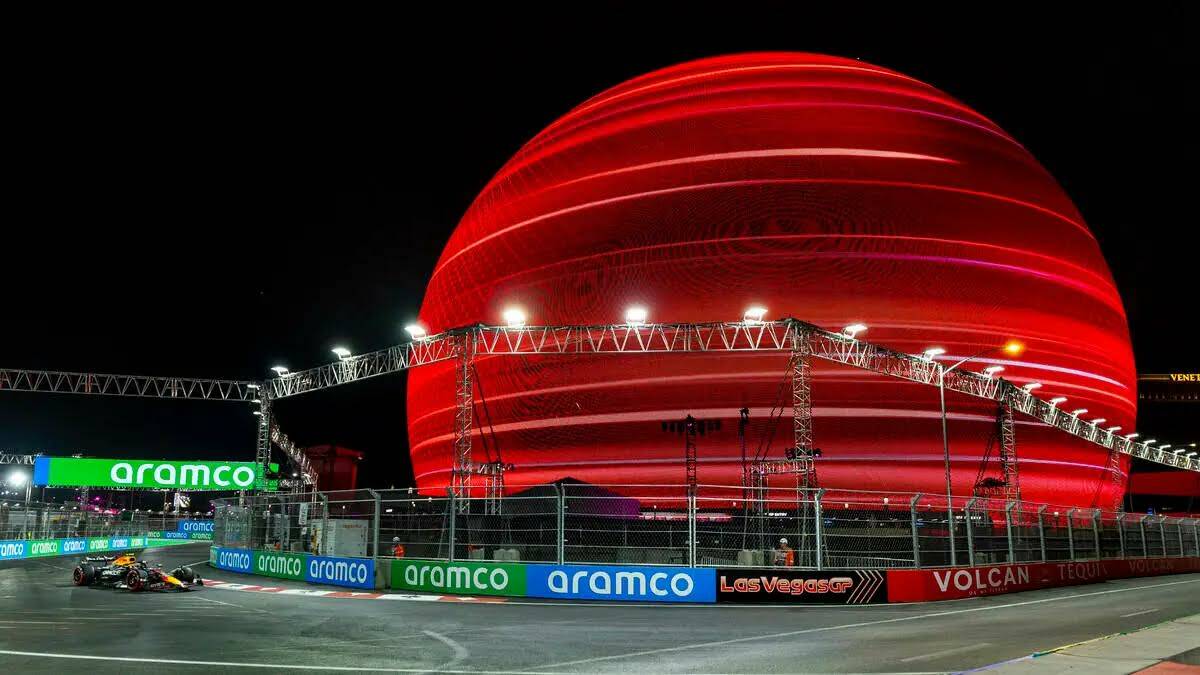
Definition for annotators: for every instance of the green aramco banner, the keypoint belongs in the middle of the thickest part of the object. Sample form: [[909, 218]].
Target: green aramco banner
[[141, 473]]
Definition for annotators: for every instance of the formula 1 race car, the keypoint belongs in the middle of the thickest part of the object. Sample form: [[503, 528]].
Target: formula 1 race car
[[126, 571], [144, 577]]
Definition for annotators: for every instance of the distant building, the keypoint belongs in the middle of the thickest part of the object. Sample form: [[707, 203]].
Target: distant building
[[337, 467]]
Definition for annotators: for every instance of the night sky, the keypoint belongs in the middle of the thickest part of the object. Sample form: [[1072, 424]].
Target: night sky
[[212, 200]]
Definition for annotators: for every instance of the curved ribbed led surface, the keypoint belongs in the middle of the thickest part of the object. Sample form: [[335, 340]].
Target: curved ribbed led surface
[[828, 189]]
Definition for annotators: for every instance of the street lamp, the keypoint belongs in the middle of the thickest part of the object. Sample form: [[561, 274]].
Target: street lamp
[[1058, 399], [1079, 411], [1098, 421], [1032, 385], [992, 370], [1132, 436], [1013, 348]]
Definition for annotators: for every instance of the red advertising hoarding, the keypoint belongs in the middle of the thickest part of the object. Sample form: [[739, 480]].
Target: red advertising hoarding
[[952, 583]]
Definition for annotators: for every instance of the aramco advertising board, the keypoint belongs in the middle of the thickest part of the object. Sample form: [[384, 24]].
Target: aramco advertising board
[[153, 474]]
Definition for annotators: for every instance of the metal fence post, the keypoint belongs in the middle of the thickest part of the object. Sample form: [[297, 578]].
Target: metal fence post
[[691, 526], [1042, 532], [375, 523], [1071, 534], [916, 542], [1096, 532], [1196, 536], [1121, 531], [324, 524], [561, 525], [452, 505], [1162, 535], [1142, 529], [819, 528], [970, 531], [1179, 533], [1008, 523]]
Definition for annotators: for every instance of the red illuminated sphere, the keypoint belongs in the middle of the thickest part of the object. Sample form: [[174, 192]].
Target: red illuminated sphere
[[823, 188]]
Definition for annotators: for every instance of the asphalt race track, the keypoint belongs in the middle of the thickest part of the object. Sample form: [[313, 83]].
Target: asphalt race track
[[220, 630]]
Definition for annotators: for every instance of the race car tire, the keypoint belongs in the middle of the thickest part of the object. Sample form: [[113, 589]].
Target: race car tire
[[83, 575], [184, 574], [135, 581]]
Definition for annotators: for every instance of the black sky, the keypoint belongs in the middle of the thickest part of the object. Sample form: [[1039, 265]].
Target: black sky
[[210, 195]]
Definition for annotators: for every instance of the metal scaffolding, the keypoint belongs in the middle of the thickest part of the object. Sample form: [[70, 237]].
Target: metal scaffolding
[[802, 431], [464, 415]]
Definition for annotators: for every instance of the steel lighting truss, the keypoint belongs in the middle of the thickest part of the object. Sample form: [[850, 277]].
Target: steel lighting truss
[[17, 458], [50, 381], [803, 340], [784, 335]]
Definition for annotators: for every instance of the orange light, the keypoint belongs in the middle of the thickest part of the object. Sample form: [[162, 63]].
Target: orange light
[[1014, 348]]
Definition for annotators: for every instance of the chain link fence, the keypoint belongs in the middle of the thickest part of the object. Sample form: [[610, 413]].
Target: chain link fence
[[37, 520], [711, 526]]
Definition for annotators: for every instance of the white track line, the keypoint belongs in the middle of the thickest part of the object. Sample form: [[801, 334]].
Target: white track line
[[1145, 611], [861, 624], [271, 666], [947, 652], [460, 652]]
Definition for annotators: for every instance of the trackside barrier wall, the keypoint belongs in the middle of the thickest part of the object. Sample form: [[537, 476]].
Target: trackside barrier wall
[[19, 549], [636, 583], [954, 583], [336, 571]]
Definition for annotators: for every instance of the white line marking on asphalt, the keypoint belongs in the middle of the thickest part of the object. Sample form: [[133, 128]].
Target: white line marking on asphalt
[[947, 652], [1145, 611], [272, 666], [227, 604], [861, 624], [460, 652], [32, 622]]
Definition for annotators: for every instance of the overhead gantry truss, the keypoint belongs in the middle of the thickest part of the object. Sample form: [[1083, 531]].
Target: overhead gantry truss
[[685, 338], [104, 384], [473, 342]]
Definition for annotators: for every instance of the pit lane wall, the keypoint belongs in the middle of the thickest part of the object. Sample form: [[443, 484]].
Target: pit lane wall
[[20, 549]]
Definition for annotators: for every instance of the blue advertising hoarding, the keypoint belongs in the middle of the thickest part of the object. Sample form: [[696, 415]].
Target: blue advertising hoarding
[[625, 583], [11, 550], [352, 572], [200, 526], [231, 559]]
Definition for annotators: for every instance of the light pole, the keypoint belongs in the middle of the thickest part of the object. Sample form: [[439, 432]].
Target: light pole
[[1012, 347]]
